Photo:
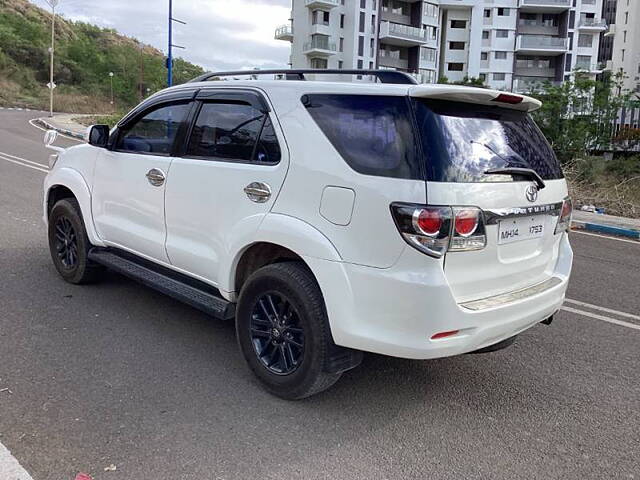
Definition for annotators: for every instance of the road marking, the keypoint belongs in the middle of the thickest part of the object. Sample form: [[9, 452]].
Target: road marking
[[20, 159], [6, 159], [602, 318], [635, 242], [31, 122], [603, 309], [10, 469]]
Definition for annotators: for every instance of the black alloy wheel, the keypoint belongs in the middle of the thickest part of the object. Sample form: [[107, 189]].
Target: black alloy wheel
[[66, 243], [277, 334]]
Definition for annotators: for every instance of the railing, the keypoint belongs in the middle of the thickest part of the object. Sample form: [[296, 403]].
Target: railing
[[588, 2], [525, 85], [405, 31], [542, 42], [284, 31], [592, 22], [330, 3], [317, 44], [556, 3], [590, 67]]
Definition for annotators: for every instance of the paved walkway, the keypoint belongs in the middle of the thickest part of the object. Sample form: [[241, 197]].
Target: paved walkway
[[64, 123]]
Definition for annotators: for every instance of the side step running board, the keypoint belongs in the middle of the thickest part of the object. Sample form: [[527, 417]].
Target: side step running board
[[165, 282]]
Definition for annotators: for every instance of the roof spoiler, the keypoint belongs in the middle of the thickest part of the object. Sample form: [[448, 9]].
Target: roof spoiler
[[482, 96]]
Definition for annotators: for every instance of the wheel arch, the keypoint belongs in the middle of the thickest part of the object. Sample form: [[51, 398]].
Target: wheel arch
[[68, 183]]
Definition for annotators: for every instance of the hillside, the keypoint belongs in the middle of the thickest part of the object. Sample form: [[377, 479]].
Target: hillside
[[85, 54]]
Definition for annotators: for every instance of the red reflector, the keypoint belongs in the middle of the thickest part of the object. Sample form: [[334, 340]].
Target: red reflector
[[445, 334], [429, 221], [506, 98], [466, 222]]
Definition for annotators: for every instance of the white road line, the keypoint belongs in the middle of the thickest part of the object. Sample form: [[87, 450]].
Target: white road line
[[603, 309], [4, 154], [602, 318], [10, 469], [23, 164], [606, 237], [31, 122]]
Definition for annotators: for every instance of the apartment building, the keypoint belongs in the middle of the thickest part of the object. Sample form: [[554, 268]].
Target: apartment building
[[509, 44], [622, 41]]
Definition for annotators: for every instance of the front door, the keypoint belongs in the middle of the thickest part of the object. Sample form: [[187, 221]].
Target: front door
[[130, 181], [225, 182]]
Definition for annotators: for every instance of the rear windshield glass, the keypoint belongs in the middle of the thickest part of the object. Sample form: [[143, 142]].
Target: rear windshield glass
[[373, 134], [461, 141]]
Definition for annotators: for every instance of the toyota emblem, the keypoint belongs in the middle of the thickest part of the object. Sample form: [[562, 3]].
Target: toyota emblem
[[532, 193]]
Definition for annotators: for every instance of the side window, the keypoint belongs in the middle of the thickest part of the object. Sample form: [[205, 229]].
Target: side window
[[155, 132], [234, 131]]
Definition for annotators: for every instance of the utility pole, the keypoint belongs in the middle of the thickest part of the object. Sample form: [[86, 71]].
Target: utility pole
[[53, 4], [111, 77], [171, 45]]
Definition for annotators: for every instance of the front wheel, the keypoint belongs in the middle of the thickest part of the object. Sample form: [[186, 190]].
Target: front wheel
[[283, 332], [69, 244]]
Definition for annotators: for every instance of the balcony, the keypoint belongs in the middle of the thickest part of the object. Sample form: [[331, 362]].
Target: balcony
[[541, 45], [319, 48], [284, 32], [590, 67], [527, 84], [322, 4], [547, 6], [402, 35], [592, 25]]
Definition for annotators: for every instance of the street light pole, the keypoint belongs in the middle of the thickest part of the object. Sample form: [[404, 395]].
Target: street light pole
[[111, 78], [171, 45], [53, 4]]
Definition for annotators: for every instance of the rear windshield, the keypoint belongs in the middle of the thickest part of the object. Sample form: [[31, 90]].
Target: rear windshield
[[461, 141], [449, 142]]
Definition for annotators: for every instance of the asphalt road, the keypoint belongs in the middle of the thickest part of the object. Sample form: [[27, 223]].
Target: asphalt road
[[116, 374]]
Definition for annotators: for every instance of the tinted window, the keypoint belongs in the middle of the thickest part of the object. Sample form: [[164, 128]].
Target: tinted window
[[462, 141], [155, 132], [234, 131], [372, 133]]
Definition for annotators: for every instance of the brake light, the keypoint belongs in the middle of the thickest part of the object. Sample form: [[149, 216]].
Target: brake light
[[507, 98], [564, 221], [434, 230]]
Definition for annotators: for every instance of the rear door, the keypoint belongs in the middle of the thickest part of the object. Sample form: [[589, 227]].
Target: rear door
[[225, 181], [461, 142]]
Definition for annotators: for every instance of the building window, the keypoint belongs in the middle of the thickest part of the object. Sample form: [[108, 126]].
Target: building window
[[319, 63], [487, 13], [485, 34], [342, 21], [342, 44], [500, 55], [370, 65], [362, 21], [458, 24], [504, 12], [624, 34], [373, 24], [483, 77], [340, 64], [456, 45], [502, 33], [372, 47], [320, 18], [455, 67], [499, 76], [623, 54], [585, 40], [360, 46], [484, 56], [363, 3]]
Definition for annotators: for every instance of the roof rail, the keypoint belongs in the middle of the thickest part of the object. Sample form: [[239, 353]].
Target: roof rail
[[384, 76]]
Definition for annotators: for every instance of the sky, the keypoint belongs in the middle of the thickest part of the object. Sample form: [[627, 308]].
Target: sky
[[219, 35]]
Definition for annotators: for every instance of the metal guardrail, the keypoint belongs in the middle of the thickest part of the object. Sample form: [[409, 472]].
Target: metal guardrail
[[558, 3], [319, 45], [542, 41]]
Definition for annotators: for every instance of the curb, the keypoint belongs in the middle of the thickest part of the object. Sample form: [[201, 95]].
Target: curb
[[606, 229], [43, 123]]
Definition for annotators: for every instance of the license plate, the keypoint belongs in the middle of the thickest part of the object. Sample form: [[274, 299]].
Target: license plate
[[519, 229]]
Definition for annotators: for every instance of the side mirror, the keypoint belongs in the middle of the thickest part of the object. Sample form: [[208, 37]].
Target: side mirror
[[98, 135], [50, 137]]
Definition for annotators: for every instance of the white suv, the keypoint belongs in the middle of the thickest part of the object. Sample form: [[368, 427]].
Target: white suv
[[328, 219]]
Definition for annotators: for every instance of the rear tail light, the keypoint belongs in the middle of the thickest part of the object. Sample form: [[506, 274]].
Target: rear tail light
[[564, 221], [434, 230]]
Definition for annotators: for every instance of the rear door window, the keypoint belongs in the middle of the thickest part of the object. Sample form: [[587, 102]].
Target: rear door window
[[373, 134], [461, 141]]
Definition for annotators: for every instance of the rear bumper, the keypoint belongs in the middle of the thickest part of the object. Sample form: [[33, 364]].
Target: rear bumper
[[396, 311]]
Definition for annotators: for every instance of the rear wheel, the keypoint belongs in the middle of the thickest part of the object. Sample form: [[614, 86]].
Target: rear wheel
[[69, 244], [283, 330]]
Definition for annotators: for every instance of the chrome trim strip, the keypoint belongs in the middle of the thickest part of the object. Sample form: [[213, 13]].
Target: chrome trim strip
[[509, 297], [493, 216]]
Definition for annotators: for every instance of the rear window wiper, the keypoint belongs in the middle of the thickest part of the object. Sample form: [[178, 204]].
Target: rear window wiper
[[523, 172]]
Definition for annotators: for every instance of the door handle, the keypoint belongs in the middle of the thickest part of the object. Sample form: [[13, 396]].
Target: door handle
[[156, 177], [258, 192]]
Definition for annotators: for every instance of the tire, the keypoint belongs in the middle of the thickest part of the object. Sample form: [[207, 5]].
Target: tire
[[287, 292], [69, 244]]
